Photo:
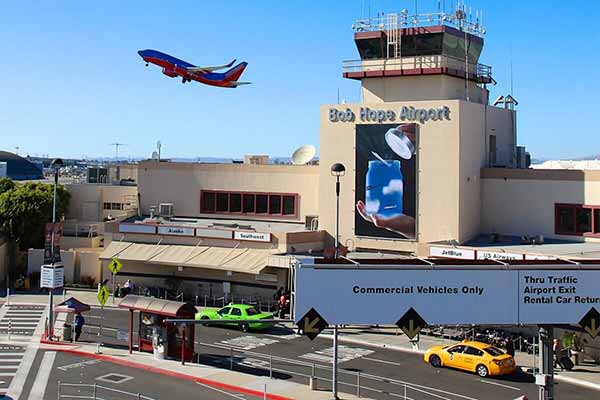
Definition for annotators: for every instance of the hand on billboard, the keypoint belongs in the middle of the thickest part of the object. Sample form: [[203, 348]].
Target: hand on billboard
[[401, 224]]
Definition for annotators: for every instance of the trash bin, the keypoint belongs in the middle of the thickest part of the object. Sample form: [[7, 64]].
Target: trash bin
[[67, 333]]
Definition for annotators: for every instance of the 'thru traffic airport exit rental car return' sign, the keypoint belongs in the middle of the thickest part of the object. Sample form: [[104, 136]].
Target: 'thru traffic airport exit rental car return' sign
[[503, 295]]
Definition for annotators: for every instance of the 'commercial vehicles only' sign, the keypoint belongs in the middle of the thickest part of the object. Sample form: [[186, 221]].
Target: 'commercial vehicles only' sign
[[443, 296]]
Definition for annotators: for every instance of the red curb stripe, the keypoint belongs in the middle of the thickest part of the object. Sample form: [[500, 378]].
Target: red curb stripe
[[174, 374]]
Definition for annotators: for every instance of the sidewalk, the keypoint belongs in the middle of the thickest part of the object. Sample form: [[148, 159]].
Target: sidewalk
[[586, 374], [88, 297], [276, 389]]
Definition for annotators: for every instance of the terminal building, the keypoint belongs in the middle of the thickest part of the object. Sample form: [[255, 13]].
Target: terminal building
[[431, 168]]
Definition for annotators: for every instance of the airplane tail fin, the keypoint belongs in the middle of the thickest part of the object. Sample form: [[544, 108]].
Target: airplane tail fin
[[234, 73]]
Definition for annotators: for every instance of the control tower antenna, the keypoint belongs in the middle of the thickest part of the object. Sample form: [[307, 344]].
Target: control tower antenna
[[117, 145]]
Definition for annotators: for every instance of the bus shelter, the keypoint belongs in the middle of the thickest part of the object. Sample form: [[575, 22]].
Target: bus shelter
[[153, 330]]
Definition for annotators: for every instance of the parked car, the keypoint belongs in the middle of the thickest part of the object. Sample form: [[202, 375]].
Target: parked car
[[237, 312], [477, 357]]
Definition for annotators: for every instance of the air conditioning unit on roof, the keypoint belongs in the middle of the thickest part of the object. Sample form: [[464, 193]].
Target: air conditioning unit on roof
[[165, 210]]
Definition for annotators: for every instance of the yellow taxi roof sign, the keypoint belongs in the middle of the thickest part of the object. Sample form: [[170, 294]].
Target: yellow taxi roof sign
[[115, 265]]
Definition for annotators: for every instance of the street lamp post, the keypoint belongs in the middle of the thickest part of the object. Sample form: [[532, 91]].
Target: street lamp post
[[338, 170], [56, 165]]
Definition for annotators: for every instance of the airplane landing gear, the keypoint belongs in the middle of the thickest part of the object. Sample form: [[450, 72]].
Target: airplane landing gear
[[147, 64]]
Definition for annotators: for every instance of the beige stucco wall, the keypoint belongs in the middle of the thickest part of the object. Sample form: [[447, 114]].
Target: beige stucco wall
[[35, 260], [419, 88], [521, 202], [87, 200], [451, 154], [437, 177], [181, 183], [477, 122], [122, 171]]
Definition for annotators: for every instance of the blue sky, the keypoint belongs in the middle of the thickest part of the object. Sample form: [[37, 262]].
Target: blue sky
[[71, 82]]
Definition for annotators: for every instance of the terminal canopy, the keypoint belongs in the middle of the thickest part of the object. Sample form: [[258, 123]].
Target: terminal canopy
[[158, 306]]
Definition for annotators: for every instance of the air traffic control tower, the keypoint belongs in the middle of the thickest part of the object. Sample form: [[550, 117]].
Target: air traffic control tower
[[416, 143], [420, 57]]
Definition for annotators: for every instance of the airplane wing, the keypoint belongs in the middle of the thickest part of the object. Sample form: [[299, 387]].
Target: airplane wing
[[204, 70]]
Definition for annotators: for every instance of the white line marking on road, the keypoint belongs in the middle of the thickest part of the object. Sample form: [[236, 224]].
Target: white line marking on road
[[383, 361], [16, 385], [41, 380], [500, 384], [77, 365], [235, 396]]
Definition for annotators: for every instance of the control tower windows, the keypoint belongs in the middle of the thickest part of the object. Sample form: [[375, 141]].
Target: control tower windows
[[370, 49]]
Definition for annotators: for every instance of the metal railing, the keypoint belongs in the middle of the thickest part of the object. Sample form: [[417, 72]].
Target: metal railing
[[95, 392], [482, 72], [355, 382], [382, 22]]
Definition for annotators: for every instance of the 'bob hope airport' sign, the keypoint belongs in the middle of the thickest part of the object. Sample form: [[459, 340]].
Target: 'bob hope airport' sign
[[410, 114]]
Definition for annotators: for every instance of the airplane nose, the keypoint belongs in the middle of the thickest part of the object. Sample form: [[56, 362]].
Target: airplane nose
[[141, 53]]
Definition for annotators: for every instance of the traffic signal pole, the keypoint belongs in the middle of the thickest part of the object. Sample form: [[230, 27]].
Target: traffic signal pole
[[545, 378]]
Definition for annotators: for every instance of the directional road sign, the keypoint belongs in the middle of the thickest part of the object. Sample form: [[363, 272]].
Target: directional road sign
[[591, 322], [411, 323], [115, 265], [311, 324], [103, 295], [450, 295]]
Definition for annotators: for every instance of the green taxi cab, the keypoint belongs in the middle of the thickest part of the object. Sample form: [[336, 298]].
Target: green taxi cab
[[236, 313]]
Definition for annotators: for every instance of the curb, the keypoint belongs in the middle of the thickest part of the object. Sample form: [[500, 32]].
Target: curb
[[174, 374]]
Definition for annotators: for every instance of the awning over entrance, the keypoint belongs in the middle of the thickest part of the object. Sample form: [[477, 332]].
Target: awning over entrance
[[157, 306], [223, 258]]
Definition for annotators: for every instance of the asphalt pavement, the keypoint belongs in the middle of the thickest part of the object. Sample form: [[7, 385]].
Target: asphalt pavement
[[381, 373], [85, 372]]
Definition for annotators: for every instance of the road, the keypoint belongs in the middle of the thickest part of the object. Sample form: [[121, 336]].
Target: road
[[383, 373], [72, 369]]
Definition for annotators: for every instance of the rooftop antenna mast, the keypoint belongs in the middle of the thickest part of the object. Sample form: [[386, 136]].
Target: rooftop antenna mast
[[117, 145]]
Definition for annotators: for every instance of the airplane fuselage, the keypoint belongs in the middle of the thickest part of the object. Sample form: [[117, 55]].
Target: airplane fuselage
[[174, 67]]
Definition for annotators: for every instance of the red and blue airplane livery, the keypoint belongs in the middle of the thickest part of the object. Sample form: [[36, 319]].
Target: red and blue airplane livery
[[173, 67]]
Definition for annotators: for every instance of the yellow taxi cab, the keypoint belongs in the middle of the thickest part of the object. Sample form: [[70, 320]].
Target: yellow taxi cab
[[477, 357]]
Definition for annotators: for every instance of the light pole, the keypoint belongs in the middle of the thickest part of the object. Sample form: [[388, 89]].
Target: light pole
[[338, 170], [56, 165]]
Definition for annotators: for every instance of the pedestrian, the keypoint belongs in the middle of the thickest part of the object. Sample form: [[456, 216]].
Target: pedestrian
[[79, 321], [282, 302], [557, 350], [510, 347]]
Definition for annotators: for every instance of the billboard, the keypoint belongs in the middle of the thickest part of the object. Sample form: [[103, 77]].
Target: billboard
[[386, 181]]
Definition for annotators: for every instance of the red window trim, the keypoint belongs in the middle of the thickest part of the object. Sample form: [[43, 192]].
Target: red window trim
[[255, 194], [576, 207]]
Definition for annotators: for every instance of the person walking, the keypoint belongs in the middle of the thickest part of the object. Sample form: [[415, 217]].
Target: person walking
[[79, 321], [282, 302], [510, 347], [557, 350]]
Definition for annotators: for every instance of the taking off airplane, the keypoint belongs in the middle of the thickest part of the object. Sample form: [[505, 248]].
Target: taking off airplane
[[173, 67]]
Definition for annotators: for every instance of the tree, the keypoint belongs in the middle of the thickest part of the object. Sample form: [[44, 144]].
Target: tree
[[24, 211]]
